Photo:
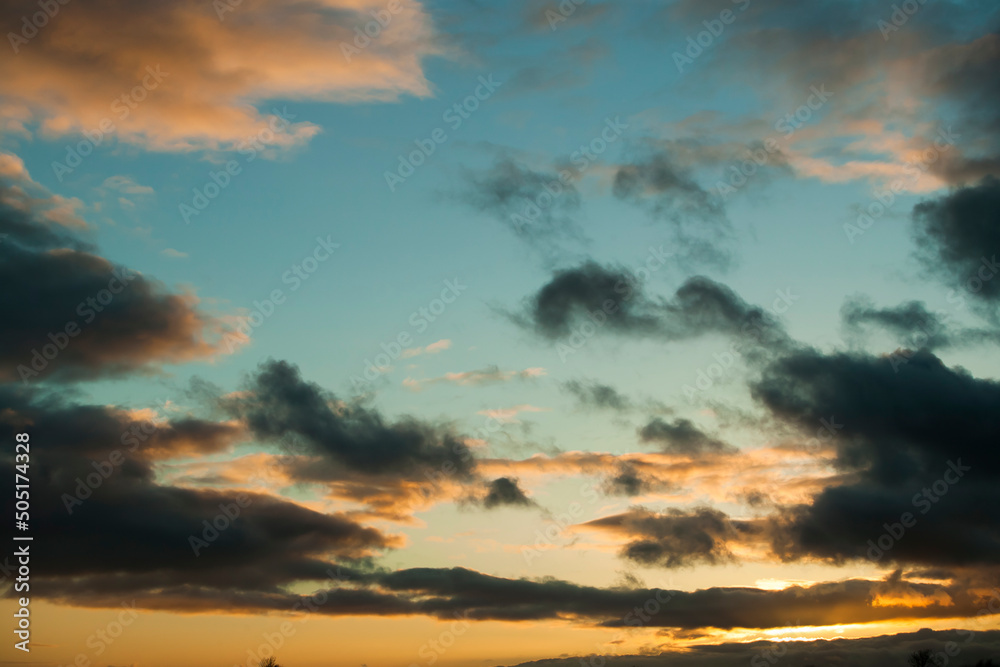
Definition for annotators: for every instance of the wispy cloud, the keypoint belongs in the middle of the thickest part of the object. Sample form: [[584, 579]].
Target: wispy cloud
[[433, 348], [488, 375]]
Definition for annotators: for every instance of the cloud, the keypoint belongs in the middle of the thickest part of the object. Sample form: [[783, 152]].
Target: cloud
[[790, 473], [143, 531], [23, 198], [454, 590], [179, 77], [670, 193], [91, 432], [509, 415], [488, 375], [433, 348], [613, 300], [959, 238], [681, 437], [593, 394], [940, 63], [866, 652], [78, 315], [536, 206], [912, 324], [96, 488], [912, 436], [671, 187], [632, 478], [961, 74], [677, 538], [278, 403], [125, 185], [573, 293], [545, 15], [505, 492]]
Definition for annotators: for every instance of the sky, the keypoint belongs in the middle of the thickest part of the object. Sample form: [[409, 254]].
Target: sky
[[378, 333]]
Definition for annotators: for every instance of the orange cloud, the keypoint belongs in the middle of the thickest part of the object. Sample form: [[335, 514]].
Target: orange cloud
[[187, 76]]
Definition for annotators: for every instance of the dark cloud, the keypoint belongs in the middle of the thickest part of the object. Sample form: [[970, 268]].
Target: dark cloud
[[677, 538], [911, 324], [278, 404], [593, 394], [445, 593], [506, 492], [94, 483], [560, 68], [671, 187], [93, 431], [548, 15], [669, 191], [962, 74], [536, 206], [78, 316], [573, 294], [635, 478], [613, 299], [132, 539], [626, 482], [913, 436], [868, 652], [457, 590], [959, 236], [681, 437]]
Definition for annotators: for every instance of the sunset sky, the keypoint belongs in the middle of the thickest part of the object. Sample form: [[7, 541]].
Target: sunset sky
[[472, 333]]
